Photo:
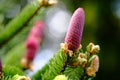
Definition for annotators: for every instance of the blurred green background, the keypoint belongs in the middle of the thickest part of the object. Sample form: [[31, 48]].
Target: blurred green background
[[102, 26]]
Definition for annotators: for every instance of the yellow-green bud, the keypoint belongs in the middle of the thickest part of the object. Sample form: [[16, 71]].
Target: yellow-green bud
[[60, 77], [18, 77]]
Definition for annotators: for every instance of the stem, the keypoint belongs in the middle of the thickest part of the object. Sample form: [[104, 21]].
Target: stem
[[18, 23]]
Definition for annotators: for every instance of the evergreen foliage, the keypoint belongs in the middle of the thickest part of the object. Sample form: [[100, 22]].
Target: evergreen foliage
[[14, 56], [74, 73], [39, 74], [56, 65], [10, 71]]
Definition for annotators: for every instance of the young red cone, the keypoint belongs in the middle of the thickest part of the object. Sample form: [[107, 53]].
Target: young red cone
[[32, 44], [74, 34], [34, 39]]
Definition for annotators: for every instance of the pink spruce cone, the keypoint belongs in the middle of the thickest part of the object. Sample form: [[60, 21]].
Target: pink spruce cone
[[34, 39], [74, 34]]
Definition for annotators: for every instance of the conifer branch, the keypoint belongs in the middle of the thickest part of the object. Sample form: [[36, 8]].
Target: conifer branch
[[56, 65], [15, 41], [22, 35], [39, 74], [10, 71], [14, 56], [21, 20], [18, 23], [74, 73]]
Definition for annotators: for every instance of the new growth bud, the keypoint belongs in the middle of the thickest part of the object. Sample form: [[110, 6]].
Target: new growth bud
[[94, 65], [93, 48], [47, 2], [82, 58], [74, 34]]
